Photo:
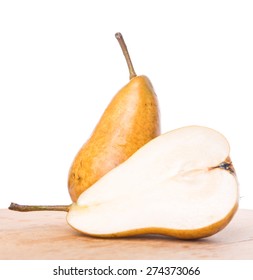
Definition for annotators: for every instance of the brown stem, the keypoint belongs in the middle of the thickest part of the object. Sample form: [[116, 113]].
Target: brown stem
[[27, 208], [123, 46]]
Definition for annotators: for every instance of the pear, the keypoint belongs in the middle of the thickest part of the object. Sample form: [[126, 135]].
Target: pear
[[130, 121], [181, 184]]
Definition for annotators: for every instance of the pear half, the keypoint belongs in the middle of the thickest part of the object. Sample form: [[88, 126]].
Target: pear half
[[180, 184]]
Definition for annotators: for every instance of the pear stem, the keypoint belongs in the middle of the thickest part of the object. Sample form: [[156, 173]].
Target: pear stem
[[28, 208], [123, 46]]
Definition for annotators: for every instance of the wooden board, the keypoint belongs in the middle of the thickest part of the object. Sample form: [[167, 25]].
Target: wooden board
[[46, 235]]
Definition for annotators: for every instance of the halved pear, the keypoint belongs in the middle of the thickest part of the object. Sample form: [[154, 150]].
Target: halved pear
[[180, 184]]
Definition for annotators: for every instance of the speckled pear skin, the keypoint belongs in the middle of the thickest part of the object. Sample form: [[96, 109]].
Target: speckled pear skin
[[130, 121]]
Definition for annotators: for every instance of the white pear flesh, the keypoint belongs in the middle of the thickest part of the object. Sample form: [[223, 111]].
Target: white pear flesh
[[175, 185]]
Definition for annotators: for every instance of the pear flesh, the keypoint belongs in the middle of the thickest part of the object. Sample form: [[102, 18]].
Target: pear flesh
[[180, 184]]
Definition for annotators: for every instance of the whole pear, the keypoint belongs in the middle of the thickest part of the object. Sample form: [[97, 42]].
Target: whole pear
[[129, 122]]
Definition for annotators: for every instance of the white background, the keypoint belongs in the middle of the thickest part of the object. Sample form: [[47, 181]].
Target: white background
[[60, 65]]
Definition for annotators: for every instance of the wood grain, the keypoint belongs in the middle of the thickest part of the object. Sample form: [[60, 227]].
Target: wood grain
[[46, 235]]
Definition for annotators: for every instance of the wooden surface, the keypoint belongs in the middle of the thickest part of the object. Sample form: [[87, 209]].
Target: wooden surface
[[46, 235]]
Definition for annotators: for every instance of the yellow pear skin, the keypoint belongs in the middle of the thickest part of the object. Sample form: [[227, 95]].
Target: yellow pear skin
[[129, 122]]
